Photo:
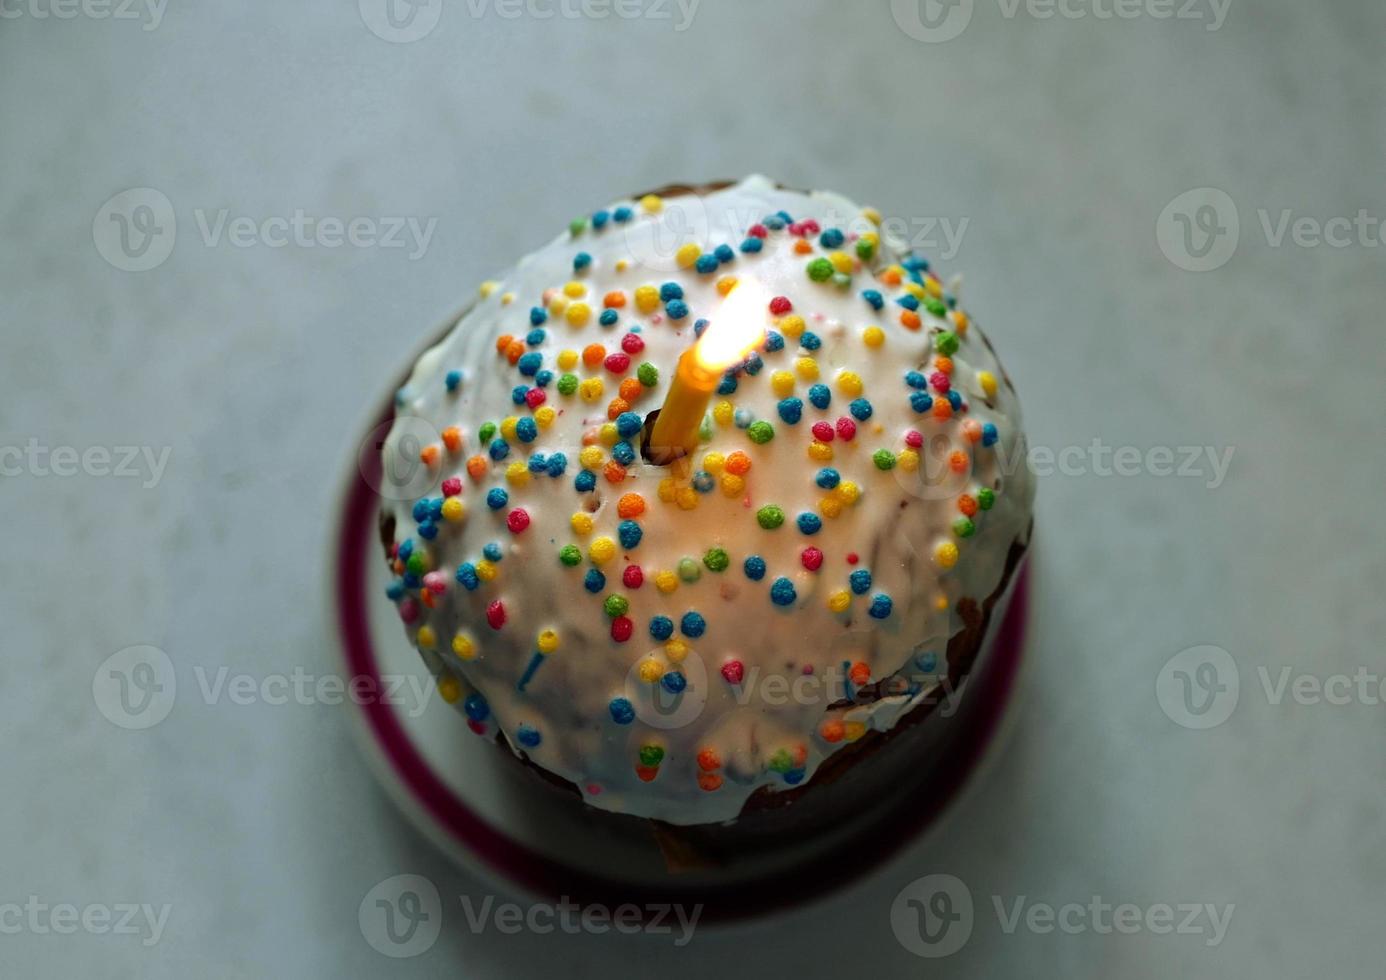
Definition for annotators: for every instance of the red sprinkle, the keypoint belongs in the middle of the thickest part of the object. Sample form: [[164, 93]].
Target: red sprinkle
[[823, 431], [535, 397], [846, 428], [495, 614], [852, 558], [914, 439], [622, 628], [631, 343], [812, 559], [940, 382], [633, 577], [780, 305], [617, 363], [759, 231], [517, 520], [477, 726], [733, 671]]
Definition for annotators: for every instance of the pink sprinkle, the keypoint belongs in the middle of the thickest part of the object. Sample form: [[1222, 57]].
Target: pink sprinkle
[[617, 363], [435, 582], [733, 671], [780, 305], [823, 431], [535, 397], [631, 343], [593, 789], [452, 486], [495, 614], [846, 428], [517, 520], [811, 226], [812, 559], [633, 577], [940, 382], [759, 231], [409, 609], [914, 439]]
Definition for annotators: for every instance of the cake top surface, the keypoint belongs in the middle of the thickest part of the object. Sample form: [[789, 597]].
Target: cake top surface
[[672, 640]]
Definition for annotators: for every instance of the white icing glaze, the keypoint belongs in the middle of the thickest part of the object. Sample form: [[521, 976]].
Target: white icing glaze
[[894, 528]]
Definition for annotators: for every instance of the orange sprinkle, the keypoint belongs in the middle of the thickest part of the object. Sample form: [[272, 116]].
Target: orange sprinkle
[[646, 773], [738, 463], [967, 504], [616, 407], [631, 389], [832, 730], [452, 438], [910, 319], [614, 472], [593, 354], [709, 781], [957, 461], [708, 760], [944, 364], [614, 299], [514, 352], [943, 409], [429, 455], [503, 342], [802, 247], [972, 430], [477, 467], [891, 277], [630, 505], [860, 673]]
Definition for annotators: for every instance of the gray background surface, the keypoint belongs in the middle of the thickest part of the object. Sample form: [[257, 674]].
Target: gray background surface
[[1059, 140]]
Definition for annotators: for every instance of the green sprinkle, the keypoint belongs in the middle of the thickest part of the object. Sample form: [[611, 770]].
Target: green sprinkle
[[820, 270], [689, 570], [946, 343], [567, 384], [616, 605], [841, 280], [770, 517], [705, 430], [716, 560], [884, 459], [866, 249], [985, 498], [487, 431], [964, 528], [651, 755], [761, 432], [570, 555], [936, 306], [648, 374], [577, 226], [782, 761]]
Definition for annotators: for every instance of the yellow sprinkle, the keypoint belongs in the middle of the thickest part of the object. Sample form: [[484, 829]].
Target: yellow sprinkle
[[463, 646], [782, 383], [914, 289], [578, 314], [807, 368], [591, 457], [454, 510], [847, 492], [871, 215], [941, 603], [713, 462], [666, 489], [507, 428], [650, 671], [960, 322], [907, 460], [854, 730], [591, 389], [486, 570], [557, 305], [652, 203], [687, 255], [988, 382], [581, 523], [841, 261], [426, 638], [676, 650], [733, 485], [723, 412], [840, 600], [820, 451], [544, 416], [666, 582], [567, 360], [830, 507], [934, 287], [647, 299], [622, 265], [725, 285], [548, 641], [849, 383], [946, 555], [602, 551], [448, 688], [792, 325], [686, 498], [608, 434], [873, 336], [574, 289], [517, 474], [507, 299], [488, 287]]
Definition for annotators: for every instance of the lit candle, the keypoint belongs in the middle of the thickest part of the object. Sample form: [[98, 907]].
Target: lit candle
[[736, 330]]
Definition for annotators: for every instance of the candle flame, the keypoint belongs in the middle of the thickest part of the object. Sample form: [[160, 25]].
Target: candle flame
[[736, 329]]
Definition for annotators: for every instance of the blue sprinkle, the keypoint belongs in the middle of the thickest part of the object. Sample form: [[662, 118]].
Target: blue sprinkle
[[544, 378], [927, 661], [820, 396], [753, 364], [608, 318], [809, 522], [828, 478], [496, 498], [773, 342], [435, 509], [916, 380], [874, 298], [752, 245], [535, 337], [989, 434], [428, 530], [670, 290], [537, 315], [585, 481], [529, 363], [706, 264], [724, 254], [594, 581], [622, 215], [538, 463], [476, 707], [453, 380], [908, 302], [755, 568], [794, 777], [727, 385], [921, 401], [955, 400], [630, 534], [860, 409], [693, 625], [621, 711], [860, 580], [775, 222], [916, 263], [742, 418], [581, 261], [499, 449], [880, 606], [558, 462], [661, 628], [412, 581], [600, 218], [791, 410], [406, 548], [703, 481], [527, 429], [782, 592], [628, 424], [677, 309], [623, 453], [395, 590], [528, 736], [466, 576], [673, 682], [517, 394], [699, 326], [831, 238], [810, 341], [421, 510], [492, 551]]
